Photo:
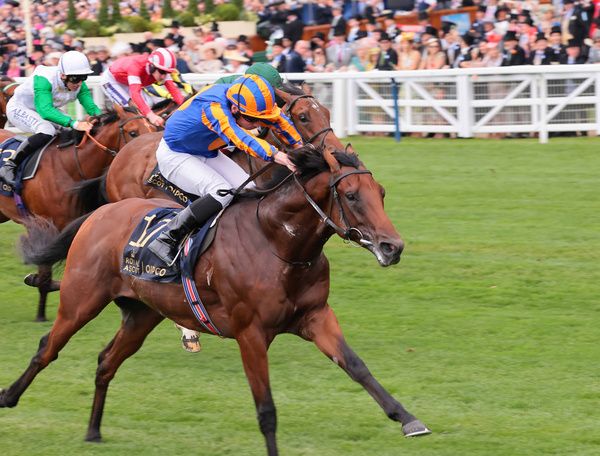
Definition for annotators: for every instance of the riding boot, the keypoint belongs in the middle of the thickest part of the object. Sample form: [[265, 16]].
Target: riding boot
[[166, 245], [25, 149]]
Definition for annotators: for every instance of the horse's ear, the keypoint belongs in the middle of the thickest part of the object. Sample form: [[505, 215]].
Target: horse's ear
[[119, 110], [283, 95], [334, 165], [306, 89], [349, 149]]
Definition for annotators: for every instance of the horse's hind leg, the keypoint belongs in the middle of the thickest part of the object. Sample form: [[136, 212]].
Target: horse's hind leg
[[72, 316], [138, 321], [45, 285], [323, 329]]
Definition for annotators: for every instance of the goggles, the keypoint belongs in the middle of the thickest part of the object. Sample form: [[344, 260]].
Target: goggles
[[76, 78], [161, 71]]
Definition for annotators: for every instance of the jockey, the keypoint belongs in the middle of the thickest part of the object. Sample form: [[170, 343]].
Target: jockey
[[263, 69], [188, 155], [33, 107], [158, 92], [124, 79]]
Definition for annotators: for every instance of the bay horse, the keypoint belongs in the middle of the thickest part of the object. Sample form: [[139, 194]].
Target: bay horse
[[7, 89], [49, 193], [265, 274], [127, 175]]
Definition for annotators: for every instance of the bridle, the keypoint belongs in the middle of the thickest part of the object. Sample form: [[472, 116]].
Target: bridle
[[347, 233], [108, 150], [288, 113]]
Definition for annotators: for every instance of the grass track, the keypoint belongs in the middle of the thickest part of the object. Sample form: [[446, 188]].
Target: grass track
[[487, 330]]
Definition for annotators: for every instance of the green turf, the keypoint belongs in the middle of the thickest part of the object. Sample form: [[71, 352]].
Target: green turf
[[487, 330]]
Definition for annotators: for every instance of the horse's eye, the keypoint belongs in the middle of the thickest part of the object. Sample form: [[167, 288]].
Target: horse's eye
[[302, 118], [133, 134], [350, 196]]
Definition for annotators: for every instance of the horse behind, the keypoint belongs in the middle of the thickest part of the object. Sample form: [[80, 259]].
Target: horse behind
[[49, 193], [7, 89], [265, 274]]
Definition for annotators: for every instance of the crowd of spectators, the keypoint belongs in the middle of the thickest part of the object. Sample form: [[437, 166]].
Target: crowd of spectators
[[364, 36]]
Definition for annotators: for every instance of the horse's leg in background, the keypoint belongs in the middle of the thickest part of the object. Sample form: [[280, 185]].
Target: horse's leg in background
[[253, 348], [45, 285], [73, 314], [138, 321], [321, 327]]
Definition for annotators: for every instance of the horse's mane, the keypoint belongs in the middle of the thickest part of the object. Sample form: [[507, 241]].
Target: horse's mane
[[111, 116], [309, 162], [290, 88]]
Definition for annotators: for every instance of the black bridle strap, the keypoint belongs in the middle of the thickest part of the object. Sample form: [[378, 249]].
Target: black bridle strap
[[344, 233]]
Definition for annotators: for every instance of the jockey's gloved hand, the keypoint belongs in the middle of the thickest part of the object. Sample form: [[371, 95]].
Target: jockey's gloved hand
[[283, 159], [155, 119], [82, 125]]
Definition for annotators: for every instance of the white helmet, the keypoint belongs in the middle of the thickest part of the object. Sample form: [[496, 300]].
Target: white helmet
[[74, 62]]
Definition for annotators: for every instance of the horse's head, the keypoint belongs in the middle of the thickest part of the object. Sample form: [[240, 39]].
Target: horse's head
[[113, 129], [352, 199], [311, 118]]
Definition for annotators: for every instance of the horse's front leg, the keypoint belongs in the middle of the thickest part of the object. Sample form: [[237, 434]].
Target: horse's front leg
[[323, 329], [253, 348]]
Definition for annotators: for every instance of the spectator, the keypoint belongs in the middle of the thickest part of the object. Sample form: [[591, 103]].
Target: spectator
[[174, 36], [388, 58], [541, 54], [295, 62], [293, 27], [338, 23], [15, 69], [408, 57], [557, 48], [594, 54], [573, 54], [210, 63], [339, 51], [243, 48], [360, 60], [434, 58], [513, 54], [323, 14], [235, 62], [276, 56]]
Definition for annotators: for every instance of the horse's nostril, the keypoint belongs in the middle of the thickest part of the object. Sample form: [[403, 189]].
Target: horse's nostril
[[387, 248]]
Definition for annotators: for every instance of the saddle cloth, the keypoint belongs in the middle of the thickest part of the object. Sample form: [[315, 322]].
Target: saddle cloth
[[26, 170], [139, 262]]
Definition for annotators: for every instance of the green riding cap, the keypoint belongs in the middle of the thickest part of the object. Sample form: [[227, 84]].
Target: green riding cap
[[261, 69]]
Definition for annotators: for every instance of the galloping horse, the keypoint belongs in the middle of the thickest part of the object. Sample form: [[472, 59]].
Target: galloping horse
[[7, 88], [265, 274], [127, 175], [49, 193]]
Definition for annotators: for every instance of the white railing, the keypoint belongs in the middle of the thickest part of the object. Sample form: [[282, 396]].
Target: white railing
[[465, 102]]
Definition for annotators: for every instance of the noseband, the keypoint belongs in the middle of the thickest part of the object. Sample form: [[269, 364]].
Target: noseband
[[326, 130]]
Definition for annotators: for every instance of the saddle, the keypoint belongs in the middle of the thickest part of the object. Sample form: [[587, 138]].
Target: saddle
[[26, 170], [158, 181], [139, 262]]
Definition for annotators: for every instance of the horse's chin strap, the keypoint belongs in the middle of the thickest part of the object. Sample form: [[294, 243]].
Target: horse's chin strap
[[349, 230]]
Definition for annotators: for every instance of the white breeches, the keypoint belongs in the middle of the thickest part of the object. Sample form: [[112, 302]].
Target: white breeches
[[28, 120], [200, 175], [119, 93]]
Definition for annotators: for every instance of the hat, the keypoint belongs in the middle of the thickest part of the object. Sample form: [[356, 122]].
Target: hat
[[277, 42], [243, 39], [319, 35], [468, 39], [175, 24], [540, 36], [429, 30], [235, 55], [555, 29], [568, 1], [218, 48], [384, 37], [339, 32], [574, 43], [361, 34], [447, 26], [386, 14], [158, 42], [510, 36]]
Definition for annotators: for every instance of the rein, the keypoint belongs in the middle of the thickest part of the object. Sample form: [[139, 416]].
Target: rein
[[344, 233], [101, 146]]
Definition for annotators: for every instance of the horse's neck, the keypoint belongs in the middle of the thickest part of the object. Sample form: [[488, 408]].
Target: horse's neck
[[92, 158], [294, 228]]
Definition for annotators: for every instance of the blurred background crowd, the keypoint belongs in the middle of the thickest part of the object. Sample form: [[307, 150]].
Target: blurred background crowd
[[363, 35]]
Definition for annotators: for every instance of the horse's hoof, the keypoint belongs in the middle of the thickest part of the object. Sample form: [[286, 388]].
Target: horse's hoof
[[32, 280], [4, 402], [94, 437], [41, 319], [414, 429]]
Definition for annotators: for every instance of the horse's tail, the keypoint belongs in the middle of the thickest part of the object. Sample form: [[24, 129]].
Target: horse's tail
[[43, 244], [91, 193]]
